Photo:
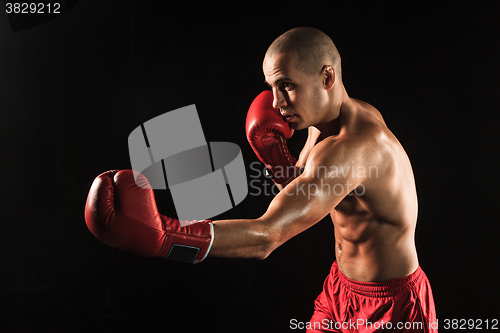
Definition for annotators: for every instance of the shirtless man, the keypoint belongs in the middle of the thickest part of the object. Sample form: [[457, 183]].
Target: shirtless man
[[354, 169]]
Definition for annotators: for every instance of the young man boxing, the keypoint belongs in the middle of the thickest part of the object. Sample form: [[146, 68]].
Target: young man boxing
[[352, 167]]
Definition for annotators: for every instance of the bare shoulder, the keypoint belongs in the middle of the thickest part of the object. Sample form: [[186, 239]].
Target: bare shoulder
[[363, 141], [370, 109], [367, 131], [365, 154]]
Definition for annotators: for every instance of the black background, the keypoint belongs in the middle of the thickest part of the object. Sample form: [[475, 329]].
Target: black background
[[72, 90]]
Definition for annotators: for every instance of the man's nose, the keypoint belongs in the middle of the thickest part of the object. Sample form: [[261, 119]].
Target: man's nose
[[279, 100]]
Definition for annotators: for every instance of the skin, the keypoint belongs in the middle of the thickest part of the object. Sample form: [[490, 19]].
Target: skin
[[355, 170]]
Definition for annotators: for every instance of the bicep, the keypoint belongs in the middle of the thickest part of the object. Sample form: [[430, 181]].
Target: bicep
[[292, 211], [307, 200]]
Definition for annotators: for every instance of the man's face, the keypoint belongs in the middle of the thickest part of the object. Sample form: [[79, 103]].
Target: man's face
[[295, 93]]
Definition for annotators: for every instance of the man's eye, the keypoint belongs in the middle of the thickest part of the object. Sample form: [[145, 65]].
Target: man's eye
[[287, 86]]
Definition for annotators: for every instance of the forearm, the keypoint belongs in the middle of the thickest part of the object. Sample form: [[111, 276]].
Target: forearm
[[241, 239]]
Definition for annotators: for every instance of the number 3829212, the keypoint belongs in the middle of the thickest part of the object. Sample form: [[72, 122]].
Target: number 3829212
[[470, 324], [33, 8]]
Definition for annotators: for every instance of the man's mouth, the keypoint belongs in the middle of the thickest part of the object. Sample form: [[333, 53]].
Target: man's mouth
[[287, 116]]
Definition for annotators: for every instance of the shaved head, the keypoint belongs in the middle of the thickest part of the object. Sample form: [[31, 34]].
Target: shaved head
[[313, 49]]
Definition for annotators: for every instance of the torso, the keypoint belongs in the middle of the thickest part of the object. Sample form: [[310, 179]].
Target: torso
[[374, 225]]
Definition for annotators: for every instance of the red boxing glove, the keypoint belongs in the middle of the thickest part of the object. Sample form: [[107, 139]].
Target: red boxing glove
[[124, 215], [266, 133]]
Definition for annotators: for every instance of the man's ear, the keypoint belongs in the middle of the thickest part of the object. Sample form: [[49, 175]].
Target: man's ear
[[328, 74]]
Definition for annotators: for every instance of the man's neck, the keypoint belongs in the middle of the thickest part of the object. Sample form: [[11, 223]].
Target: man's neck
[[328, 129], [332, 125]]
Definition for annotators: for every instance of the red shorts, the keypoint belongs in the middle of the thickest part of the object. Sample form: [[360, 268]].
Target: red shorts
[[401, 305]]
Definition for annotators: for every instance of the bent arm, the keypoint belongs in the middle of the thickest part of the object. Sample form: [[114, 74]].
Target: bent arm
[[303, 203], [312, 136]]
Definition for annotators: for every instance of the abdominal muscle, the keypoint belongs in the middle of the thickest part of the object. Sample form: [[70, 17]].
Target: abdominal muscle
[[370, 250]]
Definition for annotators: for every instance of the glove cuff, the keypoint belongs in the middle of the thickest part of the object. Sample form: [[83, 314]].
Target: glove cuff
[[187, 241]]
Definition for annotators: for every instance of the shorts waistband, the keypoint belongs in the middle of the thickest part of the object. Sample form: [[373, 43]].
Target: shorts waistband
[[382, 289]]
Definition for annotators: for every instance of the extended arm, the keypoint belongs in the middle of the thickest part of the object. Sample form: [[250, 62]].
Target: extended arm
[[303, 203], [124, 215]]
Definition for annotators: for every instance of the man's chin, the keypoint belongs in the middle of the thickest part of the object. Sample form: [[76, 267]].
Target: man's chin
[[297, 126]]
